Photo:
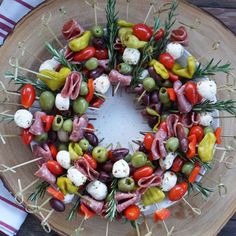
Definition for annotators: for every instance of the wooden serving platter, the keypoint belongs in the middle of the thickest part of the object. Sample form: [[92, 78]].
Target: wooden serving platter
[[215, 210]]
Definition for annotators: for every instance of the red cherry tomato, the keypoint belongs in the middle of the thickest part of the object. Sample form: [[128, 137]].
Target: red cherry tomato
[[177, 164], [167, 60], [148, 139], [173, 77], [198, 131], [142, 32], [191, 93], [26, 136], [53, 150], [142, 172], [132, 212], [84, 54], [101, 54], [28, 95], [159, 34], [55, 167], [178, 191], [163, 126], [92, 162]]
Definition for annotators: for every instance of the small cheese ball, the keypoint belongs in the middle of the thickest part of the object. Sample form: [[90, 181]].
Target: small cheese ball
[[205, 119], [68, 198], [131, 56], [176, 50], [97, 190], [62, 104], [207, 89], [23, 118], [63, 158], [76, 176], [169, 181], [120, 169], [102, 84], [166, 163], [50, 64]]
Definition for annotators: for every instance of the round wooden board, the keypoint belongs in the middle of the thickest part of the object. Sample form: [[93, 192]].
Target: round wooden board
[[215, 210]]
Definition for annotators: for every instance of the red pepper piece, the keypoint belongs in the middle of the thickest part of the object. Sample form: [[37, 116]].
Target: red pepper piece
[[97, 103], [84, 54], [173, 77], [195, 172], [55, 193], [26, 136], [90, 126], [218, 135], [172, 94], [177, 164], [191, 146], [90, 94], [161, 214], [47, 121], [53, 150], [86, 212]]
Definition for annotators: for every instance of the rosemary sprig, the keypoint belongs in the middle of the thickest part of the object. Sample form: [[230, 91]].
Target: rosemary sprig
[[111, 202], [73, 210], [206, 165], [39, 192], [169, 22], [209, 106], [147, 53], [204, 191], [212, 69], [112, 30], [59, 56]]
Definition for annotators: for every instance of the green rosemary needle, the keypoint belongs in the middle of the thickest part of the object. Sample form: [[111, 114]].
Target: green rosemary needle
[[39, 192]]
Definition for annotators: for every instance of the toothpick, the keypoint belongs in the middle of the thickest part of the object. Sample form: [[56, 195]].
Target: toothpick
[[47, 217], [149, 232], [116, 88], [45, 224], [222, 117], [79, 229], [94, 108], [93, 4], [168, 232], [163, 7], [19, 165], [89, 129], [145, 132], [100, 95], [16, 68], [140, 97], [137, 228], [107, 227], [127, 9], [15, 104], [194, 209], [194, 26], [136, 142], [110, 145], [149, 12]]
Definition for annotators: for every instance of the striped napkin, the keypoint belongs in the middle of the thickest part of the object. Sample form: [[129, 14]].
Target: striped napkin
[[12, 215]]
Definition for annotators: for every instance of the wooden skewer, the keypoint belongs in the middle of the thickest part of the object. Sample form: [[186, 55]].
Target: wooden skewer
[[194, 209], [45, 224], [100, 95], [140, 97], [127, 9], [15, 104], [168, 232], [94, 108], [149, 12], [93, 4], [163, 7], [116, 88], [137, 228], [89, 129], [79, 229], [194, 26], [107, 228]]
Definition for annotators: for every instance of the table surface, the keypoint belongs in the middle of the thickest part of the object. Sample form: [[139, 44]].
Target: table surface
[[225, 11]]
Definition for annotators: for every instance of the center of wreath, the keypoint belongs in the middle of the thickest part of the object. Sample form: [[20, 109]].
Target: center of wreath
[[118, 120]]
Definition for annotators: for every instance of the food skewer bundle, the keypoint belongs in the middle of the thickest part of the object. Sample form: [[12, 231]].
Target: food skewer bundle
[[176, 98]]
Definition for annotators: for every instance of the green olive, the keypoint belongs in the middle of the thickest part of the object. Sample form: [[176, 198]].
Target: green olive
[[139, 159], [128, 157], [126, 184], [187, 168], [172, 144], [84, 144], [46, 101], [80, 106], [57, 123], [163, 95], [41, 138], [97, 31], [67, 125], [149, 83], [62, 147], [125, 69], [186, 130], [100, 154], [166, 84], [83, 89], [91, 64], [208, 129]]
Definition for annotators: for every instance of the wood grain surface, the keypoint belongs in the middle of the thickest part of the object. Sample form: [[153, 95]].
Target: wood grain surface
[[215, 211]]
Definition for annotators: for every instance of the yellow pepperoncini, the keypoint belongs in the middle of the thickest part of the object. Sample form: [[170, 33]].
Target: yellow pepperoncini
[[75, 151], [80, 43], [152, 196], [123, 31], [160, 69], [206, 147], [154, 113], [66, 186], [57, 78], [188, 71], [132, 41], [124, 23]]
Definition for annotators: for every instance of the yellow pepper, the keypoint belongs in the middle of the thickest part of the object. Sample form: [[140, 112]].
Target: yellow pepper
[[80, 43], [154, 113], [132, 41], [124, 23], [57, 78], [123, 31], [152, 195], [66, 186], [188, 71], [75, 151], [160, 69], [206, 147]]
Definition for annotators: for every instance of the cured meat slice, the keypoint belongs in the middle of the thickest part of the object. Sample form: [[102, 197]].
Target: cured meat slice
[[42, 151], [78, 124], [149, 181], [94, 205], [181, 135], [179, 35], [44, 174], [37, 127], [115, 77], [71, 29]]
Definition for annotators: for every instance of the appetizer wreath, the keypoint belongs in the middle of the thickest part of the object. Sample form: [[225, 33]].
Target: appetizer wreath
[[178, 101]]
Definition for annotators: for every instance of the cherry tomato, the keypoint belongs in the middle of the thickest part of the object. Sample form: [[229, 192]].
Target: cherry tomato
[[177, 164], [178, 191], [28, 95], [26, 136], [159, 34], [190, 92], [142, 32], [84, 54], [132, 212], [167, 60], [173, 77], [92, 162], [198, 131], [55, 167], [53, 150], [142, 172], [101, 54], [148, 139], [163, 126]]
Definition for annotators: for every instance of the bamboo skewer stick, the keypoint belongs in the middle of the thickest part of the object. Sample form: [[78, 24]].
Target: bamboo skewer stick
[[194, 209], [137, 228], [93, 4], [127, 9], [116, 88], [107, 228], [149, 12], [45, 224]]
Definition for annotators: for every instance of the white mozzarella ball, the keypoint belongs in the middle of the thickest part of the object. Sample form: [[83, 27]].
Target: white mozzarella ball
[[167, 162], [131, 56], [120, 169], [63, 158], [62, 104], [23, 118], [169, 181], [176, 50], [207, 89], [205, 119], [63, 136], [50, 64], [68, 198], [76, 176], [102, 84], [97, 190]]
